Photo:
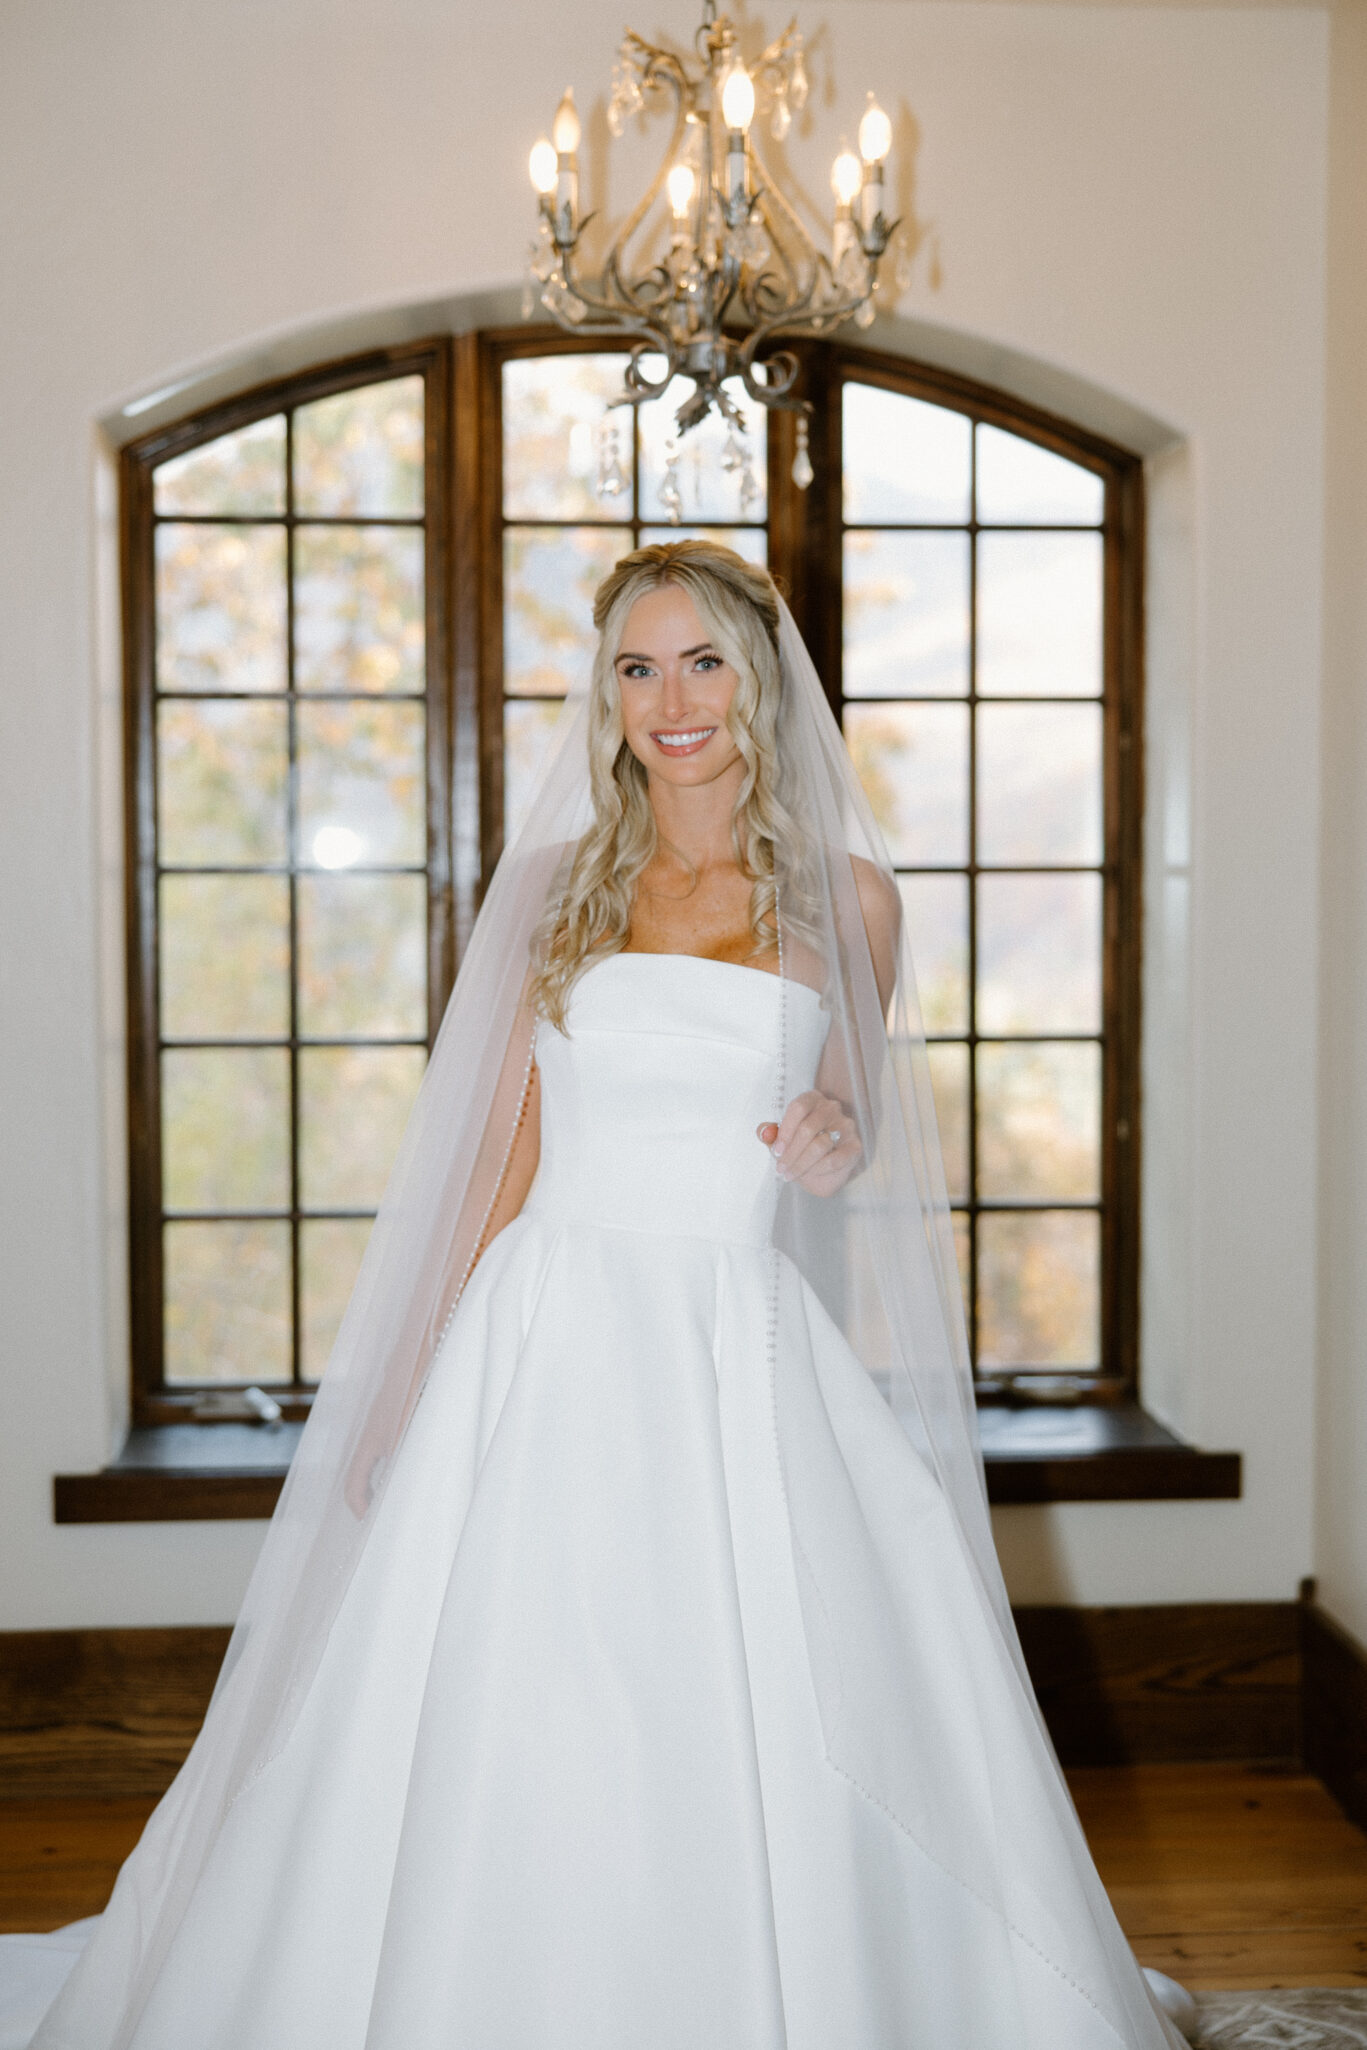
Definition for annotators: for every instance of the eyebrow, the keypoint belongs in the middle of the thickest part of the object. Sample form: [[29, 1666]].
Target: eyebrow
[[703, 648]]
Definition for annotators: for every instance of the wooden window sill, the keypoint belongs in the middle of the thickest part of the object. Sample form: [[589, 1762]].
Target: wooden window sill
[[173, 1473]]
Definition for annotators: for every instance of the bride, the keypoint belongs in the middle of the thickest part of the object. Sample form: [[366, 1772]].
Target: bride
[[627, 1666]]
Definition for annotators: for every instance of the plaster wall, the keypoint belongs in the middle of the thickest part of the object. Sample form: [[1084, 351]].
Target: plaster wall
[[1130, 199], [1341, 1502]]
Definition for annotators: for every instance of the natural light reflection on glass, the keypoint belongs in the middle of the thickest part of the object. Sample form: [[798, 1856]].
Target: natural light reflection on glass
[[1021, 484], [1039, 1289], [1039, 1109], [330, 1252], [553, 409], [527, 729], [549, 577], [1039, 615], [358, 609], [222, 770], [241, 473], [1039, 784], [360, 453], [353, 1104], [220, 608], [225, 1128], [362, 957], [905, 460], [913, 763], [1039, 953], [225, 957], [906, 615], [227, 1302], [949, 1082], [360, 767], [936, 911]]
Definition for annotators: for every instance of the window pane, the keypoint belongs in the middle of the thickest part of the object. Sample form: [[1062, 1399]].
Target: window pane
[[330, 1252], [1021, 484], [227, 1315], [904, 459], [1039, 1289], [222, 769], [1039, 1122], [712, 459], [362, 452], [527, 730], [554, 410], [358, 609], [549, 577], [936, 911], [353, 1105], [225, 1125], [949, 1083], [906, 615], [1039, 783], [751, 542], [362, 957], [1039, 954], [224, 947], [362, 794], [238, 473], [220, 608], [1039, 615], [913, 763]]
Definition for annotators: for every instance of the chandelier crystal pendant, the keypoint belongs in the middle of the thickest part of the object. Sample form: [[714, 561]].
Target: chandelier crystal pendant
[[726, 265]]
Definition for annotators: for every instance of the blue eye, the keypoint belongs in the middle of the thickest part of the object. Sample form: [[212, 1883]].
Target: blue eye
[[709, 662]]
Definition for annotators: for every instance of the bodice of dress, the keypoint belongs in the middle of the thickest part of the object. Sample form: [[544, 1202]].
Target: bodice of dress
[[650, 1100]]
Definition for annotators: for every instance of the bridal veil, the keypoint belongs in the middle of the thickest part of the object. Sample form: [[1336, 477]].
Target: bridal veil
[[879, 1255]]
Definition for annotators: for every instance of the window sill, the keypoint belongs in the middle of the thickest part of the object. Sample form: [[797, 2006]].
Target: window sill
[[174, 1473]]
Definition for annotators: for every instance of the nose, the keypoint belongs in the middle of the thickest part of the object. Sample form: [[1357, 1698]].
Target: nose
[[673, 697]]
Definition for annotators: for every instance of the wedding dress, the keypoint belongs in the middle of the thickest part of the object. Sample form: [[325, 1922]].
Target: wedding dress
[[560, 1780], [627, 1665]]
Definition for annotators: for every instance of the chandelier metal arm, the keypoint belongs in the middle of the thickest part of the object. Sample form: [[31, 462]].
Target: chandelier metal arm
[[738, 251]]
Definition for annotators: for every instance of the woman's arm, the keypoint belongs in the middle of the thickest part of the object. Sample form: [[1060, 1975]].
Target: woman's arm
[[817, 1144], [524, 1157]]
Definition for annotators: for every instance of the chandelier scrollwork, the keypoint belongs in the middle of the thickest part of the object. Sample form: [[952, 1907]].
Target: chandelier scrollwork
[[741, 271]]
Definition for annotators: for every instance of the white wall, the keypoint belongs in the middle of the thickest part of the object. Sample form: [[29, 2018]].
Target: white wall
[[1132, 198], [1341, 1548]]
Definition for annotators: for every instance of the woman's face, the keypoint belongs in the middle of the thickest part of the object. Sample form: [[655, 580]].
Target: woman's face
[[675, 689]]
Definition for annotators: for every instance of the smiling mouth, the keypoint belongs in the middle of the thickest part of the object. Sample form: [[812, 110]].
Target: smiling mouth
[[684, 743]]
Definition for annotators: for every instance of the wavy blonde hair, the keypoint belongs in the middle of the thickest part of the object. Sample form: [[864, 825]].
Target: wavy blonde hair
[[737, 603]]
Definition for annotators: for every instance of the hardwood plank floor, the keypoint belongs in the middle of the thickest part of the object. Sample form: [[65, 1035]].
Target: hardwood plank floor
[[1230, 1875], [1222, 1875]]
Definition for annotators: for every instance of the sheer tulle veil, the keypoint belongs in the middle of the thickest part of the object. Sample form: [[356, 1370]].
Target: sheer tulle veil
[[880, 1258]]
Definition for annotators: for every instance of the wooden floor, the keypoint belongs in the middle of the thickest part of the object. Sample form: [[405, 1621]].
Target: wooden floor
[[1223, 1875]]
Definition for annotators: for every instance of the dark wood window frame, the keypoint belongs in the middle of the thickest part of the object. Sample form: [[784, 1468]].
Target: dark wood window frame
[[175, 1468]]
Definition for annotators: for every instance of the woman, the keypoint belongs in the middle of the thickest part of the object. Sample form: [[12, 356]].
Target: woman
[[627, 1667]]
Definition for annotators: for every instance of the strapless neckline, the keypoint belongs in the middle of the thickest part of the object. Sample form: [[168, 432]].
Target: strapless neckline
[[708, 961]]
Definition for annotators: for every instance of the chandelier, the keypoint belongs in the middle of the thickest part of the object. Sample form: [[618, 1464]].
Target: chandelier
[[725, 264]]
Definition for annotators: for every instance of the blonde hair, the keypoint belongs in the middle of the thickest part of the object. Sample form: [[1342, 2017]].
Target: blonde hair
[[737, 603]]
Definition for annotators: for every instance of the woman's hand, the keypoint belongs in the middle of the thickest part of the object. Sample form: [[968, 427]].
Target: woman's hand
[[816, 1146]]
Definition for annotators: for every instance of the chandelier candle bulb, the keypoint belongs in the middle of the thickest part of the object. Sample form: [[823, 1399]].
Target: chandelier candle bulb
[[847, 175], [738, 100], [543, 167], [566, 131]]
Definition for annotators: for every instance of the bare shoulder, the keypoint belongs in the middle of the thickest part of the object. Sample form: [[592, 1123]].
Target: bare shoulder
[[880, 900], [880, 903]]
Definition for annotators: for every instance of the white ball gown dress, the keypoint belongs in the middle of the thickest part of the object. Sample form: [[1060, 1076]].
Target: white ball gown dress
[[560, 1781]]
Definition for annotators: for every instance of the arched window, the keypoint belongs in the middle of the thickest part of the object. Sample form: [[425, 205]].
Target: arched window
[[352, 602]]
